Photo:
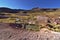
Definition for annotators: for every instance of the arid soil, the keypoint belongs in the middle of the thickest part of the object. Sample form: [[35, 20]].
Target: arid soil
[[9, 33]]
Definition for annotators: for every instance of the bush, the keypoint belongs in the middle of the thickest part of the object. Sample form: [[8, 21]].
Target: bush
[[55, 28], [32, 27]]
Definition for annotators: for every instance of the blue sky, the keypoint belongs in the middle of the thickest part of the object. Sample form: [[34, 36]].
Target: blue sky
[[28, 4]]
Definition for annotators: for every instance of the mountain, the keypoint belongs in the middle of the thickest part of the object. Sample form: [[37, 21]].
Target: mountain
[[44, 9], [9, 10]]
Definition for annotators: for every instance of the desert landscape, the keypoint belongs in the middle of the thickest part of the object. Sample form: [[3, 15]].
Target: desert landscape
[[34, 24]]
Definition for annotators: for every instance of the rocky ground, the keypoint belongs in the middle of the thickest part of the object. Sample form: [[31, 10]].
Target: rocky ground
[[9, 33]]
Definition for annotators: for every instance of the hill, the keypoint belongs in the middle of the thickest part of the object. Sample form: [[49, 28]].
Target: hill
[[9, 10], [33, 19], [34, 24]]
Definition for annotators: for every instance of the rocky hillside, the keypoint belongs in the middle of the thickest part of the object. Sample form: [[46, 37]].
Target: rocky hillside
[[34, 24]]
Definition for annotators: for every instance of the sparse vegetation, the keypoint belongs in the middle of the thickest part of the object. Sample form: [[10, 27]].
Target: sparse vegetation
[[32, 17], [33, 27]]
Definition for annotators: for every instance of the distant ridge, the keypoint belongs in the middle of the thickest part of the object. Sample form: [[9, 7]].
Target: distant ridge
[[44, 9], [9, 10]]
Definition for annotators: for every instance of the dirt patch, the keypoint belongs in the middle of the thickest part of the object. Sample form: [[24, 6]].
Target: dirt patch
[[8, 33]]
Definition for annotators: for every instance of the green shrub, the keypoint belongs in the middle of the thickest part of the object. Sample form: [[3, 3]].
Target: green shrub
[[55, 28], [32, 27]]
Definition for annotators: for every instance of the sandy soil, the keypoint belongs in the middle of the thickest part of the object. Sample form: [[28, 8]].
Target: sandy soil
[[9, 33]]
